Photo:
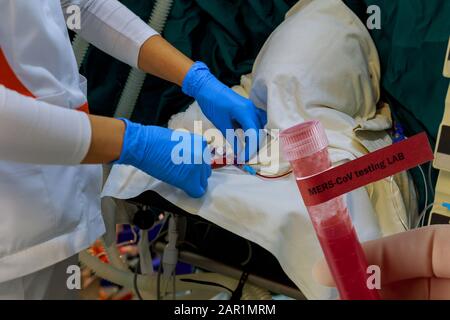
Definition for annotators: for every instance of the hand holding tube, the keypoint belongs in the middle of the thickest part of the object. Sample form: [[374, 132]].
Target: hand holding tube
[[415, 265]]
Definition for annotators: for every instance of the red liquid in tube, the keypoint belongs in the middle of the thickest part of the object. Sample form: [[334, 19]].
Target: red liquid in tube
[[305, 146]]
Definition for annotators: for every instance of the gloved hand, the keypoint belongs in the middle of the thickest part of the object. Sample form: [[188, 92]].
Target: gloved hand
[[222, 106], [178, 158]]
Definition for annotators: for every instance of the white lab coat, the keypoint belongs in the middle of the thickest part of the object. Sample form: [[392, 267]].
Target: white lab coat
[[48, 212]]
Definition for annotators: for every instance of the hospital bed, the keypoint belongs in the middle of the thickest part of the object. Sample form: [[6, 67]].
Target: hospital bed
[[229, 264], [214, 249]]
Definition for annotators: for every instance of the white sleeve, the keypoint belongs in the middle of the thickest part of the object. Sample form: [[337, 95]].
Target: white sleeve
[[111, 27], [32, 131]]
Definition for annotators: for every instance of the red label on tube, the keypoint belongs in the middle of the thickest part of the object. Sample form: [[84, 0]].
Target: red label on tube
[[375, 166]]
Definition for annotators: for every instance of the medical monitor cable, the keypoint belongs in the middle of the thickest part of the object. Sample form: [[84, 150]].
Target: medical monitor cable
[[426, 206], [157, 237], [430, 182], [426, 190], [135, 286]]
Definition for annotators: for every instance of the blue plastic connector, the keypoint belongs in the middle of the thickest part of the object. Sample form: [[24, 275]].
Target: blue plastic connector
[[249, 169]]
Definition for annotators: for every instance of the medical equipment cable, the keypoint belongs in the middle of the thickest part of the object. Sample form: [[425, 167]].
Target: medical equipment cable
[[160, 231], [425, 188], [173, 277], [145, 261], [249, 292], [396, 208], [430, 182], [135, 236], [113, 255], [160, 264], [125, 278], [420, 222], [170, 254], [165, 288], [250, 254], [158, 285], [147, 284], [158, 280], [136, 289], [412, 200], [174, 286], [274, 177], [216, 164], [135, 286], [145, 255], [426, 206], [207, 283], [190, 244], [237, 293], [136, 77], [111, 273]]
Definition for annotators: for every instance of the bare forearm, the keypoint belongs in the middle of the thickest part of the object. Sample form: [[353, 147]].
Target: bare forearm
[[106, 140], [160, 58], [113, 28]]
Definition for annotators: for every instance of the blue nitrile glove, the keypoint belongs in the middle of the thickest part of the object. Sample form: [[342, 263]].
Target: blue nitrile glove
[[178, 158], [222, 106]]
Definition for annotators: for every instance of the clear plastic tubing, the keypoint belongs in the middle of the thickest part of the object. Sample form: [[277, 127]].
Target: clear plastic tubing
[[305, 146]]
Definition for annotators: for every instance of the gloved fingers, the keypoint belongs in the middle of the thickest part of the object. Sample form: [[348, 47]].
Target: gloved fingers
[[198, 180], [204, 176], [208, 169], [198, 149], [251, 126], [200, 168], [196, 191], [228, 130], [250, 119], [262, 115], [207, 158]]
